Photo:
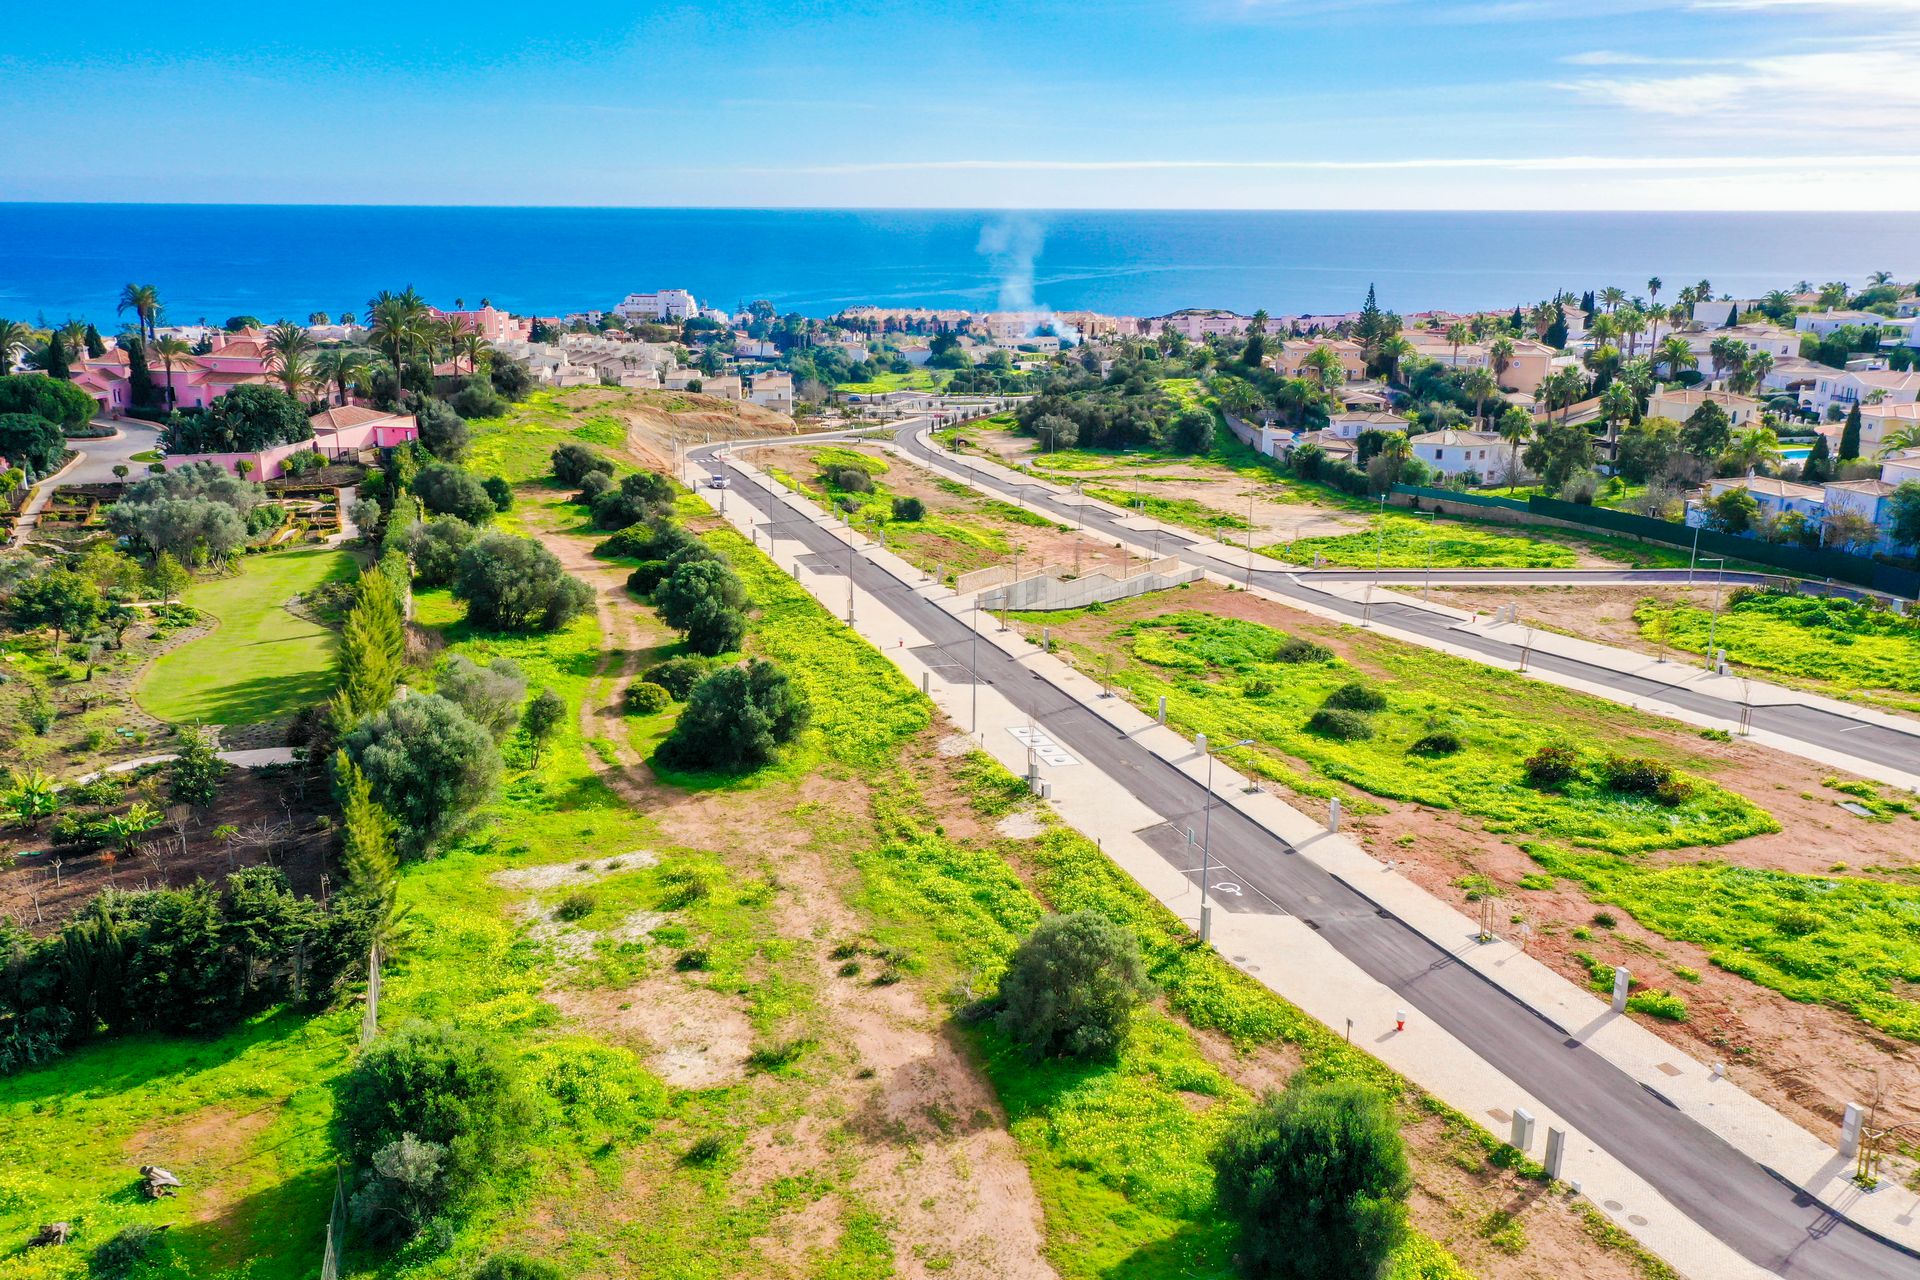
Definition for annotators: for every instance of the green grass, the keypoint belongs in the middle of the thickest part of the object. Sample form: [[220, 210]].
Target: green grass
[[1837, 644], [1219, 677], [921, 379], [1413, 542], [1844, 941], [518, 445], [1185, 512], [261, 661]]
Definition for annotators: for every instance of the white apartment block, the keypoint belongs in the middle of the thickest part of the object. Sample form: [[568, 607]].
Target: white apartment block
[[667, 304]]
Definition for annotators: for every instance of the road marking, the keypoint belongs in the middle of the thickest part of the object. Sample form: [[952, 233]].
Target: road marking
[[1044, 748]]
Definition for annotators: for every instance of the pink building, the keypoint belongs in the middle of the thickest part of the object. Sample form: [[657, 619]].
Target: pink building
[[197, 381], [492, 324], [339, 433]]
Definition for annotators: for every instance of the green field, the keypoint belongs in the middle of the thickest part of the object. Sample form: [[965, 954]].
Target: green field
[[1220, 677], [1846, 648], [916, 380], [1413, 542], [261, 661], [518, 446]]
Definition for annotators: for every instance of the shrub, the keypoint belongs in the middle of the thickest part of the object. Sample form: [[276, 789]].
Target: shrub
[[428, 765], [425, 1114], [575, 906], [194, 776], [434, 546], [714, 629], [645, 699], [1357, 697], [1257, 688], [1605, 919], [1441, 742], [490, 695], [1658, 1004], [1552, 766], [642, 542], [31, 441], [1340, 724], [124, 1253], [848, 479], [736, 718], [1317, 1180], [1638, 775], [909, 509], [447, 490], [677, 675], [515, 584], [510, 377], [702, 582], [592, 485], [443, 432], [640, 498], [646, 576], [500, 491], [1797, 922], [66, 406], [517, 1266], [572, 461], [476, 399], [1071, 987], [246, 418]]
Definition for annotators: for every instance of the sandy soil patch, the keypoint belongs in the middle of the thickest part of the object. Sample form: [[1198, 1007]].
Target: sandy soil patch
[[554, 875], [690, 1035], [203, 1148]]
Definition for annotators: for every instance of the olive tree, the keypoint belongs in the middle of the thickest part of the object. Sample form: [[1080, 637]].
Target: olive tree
[[427, 764], [515, 584], [1071, 986]]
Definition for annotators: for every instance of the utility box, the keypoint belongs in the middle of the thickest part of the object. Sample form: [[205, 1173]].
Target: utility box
[[1556, 1153], [1522, 1137]]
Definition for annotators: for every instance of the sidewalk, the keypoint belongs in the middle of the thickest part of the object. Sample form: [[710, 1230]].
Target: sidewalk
[[1675, 672], [1288, 957]]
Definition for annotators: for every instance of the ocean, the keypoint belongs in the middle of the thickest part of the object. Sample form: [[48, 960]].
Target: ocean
[[285, 261]]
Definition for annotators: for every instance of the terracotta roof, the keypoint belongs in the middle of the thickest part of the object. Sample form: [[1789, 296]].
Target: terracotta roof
[[353, 415]]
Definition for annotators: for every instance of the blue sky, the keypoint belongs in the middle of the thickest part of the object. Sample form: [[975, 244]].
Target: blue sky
[[1457, 104]]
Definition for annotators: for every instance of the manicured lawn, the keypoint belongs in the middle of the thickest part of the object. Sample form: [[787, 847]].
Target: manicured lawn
[[261, 661]]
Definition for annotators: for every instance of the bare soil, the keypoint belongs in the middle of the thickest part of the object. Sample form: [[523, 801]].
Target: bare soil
[[661, 422], [276, 817], [1805, 1060]]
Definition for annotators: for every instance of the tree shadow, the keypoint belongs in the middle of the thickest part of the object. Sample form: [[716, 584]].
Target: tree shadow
[[286, 1220], [1196, 1249], [108, 1066]]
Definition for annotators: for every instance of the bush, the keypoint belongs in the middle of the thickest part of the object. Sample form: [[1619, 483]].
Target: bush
[[714, 629], [1317, 1180], [247, 418], [500, 491], [476, 398], [428, 765], [646, 576], [490, 695], [1797, 922], [1441, 742], [909, 509], [425, 1114], [1552, 766], [510, 377], [447, 490], [575, 906], [1638, 775], [592, 485], [644, 698], [1658, 1004], [848, 479], [677, 676], [573, 461], [31, 441], [517, 1266], [1294, 649], [1357, 697], [1340, 724], [515, 584], [124, 1253], [443, 432], [65, 405], [1071, 987], [693, 585], [736, 718], [642, 542], [434, 546], [641, 497]]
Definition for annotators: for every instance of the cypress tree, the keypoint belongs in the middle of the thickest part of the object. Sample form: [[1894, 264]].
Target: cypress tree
[[1733, 316], [1518, 320], [56, 361], [1557, 331], [139, 375], [95, 347], [1818, 467], [368, 854], [1850, 436]]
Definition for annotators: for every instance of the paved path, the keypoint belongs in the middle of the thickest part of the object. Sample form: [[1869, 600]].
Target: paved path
[[1763, 1220], [252, 758], [104, 453]]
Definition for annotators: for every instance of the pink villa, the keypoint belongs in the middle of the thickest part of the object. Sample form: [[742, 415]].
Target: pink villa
[[491, 323], [197, 381], [346, 433]]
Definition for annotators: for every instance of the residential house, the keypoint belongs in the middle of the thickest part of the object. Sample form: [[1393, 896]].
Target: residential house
[[773, 390], [1822, 323], [1480, 454], [348, 432], [491, 323], [1291, 358], [1196, 325], [746, 348], [1837, 390], [1775, 497], [1681, 403], [194, 382], [666, 304], [1879, 422], [1347, 425]]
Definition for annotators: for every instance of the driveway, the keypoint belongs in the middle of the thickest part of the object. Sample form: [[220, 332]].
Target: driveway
[[117, 450]]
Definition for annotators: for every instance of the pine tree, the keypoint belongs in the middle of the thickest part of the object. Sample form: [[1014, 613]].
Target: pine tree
[[95, 347], [368, 850], [372, 644], [1818, 467], [1371, 327], [1850, 436]]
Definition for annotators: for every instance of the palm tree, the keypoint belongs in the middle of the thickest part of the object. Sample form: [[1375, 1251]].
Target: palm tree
[[74, 334], [1881, 277], [1752, 371], [1562, 389], [1703, 291], [14, 338], [1500, 355], [398, 323], [1540, 316], [1726, 353], [287, 354], [1656, 312], [1479, 384], [1602, 330], [474, 347], [1653, 287], [1905, 438], [1459, 335], [339, 366], [1754, 450], [1516, 428], [1613, 296], [1323, 362], [169, 349], [1834, 293], [1617, 403], [1631, 321], [1396, 449], [1676, 355], [144, 301]]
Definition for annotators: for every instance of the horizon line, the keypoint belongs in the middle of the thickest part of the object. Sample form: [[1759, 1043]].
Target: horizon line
[[1852, 210]]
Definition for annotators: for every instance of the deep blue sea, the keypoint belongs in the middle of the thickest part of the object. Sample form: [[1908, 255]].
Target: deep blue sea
[[213, 261]]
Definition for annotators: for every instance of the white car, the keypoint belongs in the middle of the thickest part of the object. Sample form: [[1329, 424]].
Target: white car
[[718, 482]]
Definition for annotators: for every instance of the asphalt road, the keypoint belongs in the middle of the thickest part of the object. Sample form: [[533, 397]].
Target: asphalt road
[[1815, 726], [1757, 1214]]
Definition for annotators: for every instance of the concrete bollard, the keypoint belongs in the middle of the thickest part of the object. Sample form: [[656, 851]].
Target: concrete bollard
[[1621, 981], [1522, 1135], [1556, 1153], [1163, 708], [925, 679], [1200, 743], [1333, 814], [1850, 1121]]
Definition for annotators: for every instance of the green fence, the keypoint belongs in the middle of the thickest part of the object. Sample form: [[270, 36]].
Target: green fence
[[1801, 562]]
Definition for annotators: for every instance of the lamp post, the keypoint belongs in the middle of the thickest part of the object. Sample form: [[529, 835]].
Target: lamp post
[[973, 668], [1249, 542], [1433, 518], [1206, 845], [849, 568], [1713, 623]]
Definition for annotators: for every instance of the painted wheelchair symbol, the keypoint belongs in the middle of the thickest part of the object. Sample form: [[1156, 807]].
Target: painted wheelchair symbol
[[1227, 886]]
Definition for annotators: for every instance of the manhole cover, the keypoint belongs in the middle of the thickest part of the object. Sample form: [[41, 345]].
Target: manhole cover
[[1636, 1220], [1614, 1205], [1669, 1068], [1500, 1115]]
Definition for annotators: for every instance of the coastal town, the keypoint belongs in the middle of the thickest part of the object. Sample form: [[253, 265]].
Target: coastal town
[[669, 789]]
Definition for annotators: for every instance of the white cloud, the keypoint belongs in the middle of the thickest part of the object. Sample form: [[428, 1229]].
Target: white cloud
[[1847, 85], [1516, 164]]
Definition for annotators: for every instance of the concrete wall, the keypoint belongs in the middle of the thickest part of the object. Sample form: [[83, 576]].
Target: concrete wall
[[1043, 593]]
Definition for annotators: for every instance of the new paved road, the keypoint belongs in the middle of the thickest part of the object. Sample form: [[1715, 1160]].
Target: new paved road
[[1758, 1215]]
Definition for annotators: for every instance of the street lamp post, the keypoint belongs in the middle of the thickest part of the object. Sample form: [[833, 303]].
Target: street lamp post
[[1433, 518], [973, 668], [1713, 623], [1249, 542], [1206, 845], [849, 568]]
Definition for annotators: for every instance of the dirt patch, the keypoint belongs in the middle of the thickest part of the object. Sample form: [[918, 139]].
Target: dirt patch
[[207, 1149], [556, 874], [275, 816], [690, 1035], [664, 424]]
